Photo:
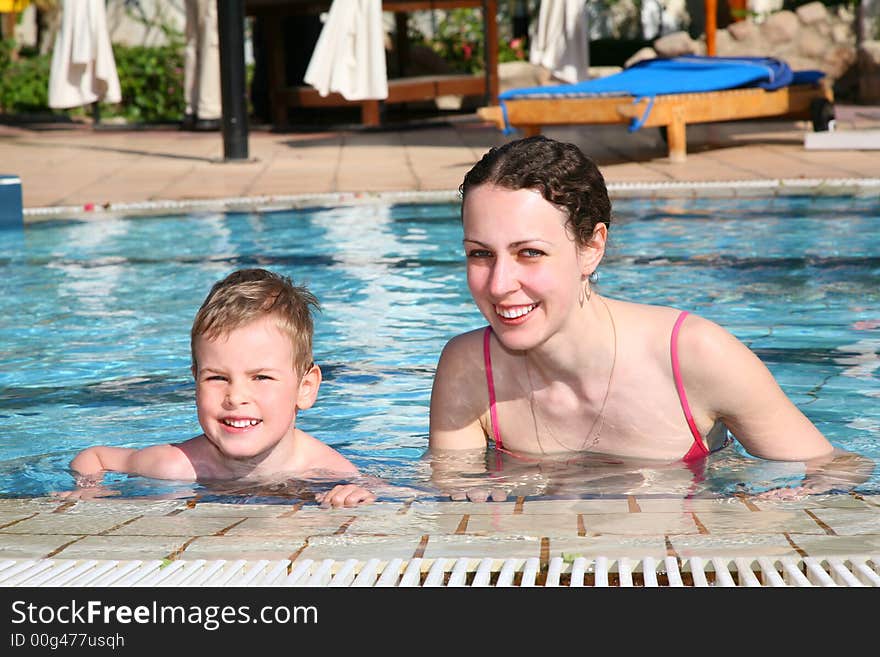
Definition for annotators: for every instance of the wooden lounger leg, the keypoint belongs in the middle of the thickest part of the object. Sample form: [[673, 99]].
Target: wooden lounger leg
[[530, 130], [676, 136], [370, 113]]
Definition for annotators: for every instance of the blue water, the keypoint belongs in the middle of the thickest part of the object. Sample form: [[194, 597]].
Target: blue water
[[95, 319]]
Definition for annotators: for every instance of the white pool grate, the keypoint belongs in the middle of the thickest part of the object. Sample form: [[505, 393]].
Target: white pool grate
[[850, 571]]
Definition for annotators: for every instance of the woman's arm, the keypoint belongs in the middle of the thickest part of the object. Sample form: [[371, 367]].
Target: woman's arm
[[725, 380], [459, 398]]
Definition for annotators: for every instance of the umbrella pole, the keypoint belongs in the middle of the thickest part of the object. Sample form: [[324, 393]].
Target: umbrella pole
[[233, 92]]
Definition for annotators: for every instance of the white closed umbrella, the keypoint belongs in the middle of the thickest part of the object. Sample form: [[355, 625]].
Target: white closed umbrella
[[349, 57], [561, 43], [83, 69]]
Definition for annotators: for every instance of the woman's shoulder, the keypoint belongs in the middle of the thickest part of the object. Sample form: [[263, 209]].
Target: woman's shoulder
[[646, 320], [465, 344], [653, 327]]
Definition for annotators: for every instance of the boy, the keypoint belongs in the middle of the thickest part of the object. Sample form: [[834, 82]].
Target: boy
[[251, 345]]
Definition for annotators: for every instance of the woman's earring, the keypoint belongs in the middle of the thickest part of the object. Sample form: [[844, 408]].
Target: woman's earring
[[588, 288], [582, 294]]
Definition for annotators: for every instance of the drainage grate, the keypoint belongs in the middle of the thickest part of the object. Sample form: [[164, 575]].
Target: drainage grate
[[461, 571]]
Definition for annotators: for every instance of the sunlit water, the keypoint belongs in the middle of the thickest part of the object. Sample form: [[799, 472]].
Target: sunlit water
[[94, 331]]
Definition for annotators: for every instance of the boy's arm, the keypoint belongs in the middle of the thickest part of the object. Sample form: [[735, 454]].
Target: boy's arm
[[157, 461]]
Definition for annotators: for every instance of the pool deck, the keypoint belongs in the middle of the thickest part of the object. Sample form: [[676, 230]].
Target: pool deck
[[74, 166], [74, 169]]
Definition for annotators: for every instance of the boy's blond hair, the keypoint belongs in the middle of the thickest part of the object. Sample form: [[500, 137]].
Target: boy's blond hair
[[250, 294]]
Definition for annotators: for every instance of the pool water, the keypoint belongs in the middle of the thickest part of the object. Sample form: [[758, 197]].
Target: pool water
[[94, 328]]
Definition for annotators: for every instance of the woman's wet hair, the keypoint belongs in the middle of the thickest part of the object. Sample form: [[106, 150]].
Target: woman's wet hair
[[561, 172]]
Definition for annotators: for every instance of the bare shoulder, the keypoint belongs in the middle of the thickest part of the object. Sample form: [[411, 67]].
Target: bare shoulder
[[645, 324], [710, 348], [461, 363], [164, 462], [464, 347], [318, 455], [459, 397]]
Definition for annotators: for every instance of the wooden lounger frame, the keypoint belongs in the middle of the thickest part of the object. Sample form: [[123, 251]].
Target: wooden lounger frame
[[672, 111]]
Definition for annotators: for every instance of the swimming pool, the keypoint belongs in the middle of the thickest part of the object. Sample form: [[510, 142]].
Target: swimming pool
[[96, 316]]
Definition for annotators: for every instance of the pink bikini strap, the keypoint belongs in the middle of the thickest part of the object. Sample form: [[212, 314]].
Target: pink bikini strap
[[493, 414], [698, 448]]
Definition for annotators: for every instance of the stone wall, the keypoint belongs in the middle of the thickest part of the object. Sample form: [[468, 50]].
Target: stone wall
[[812, 36]]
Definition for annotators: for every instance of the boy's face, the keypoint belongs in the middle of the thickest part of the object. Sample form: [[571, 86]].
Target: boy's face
[[247, 391]]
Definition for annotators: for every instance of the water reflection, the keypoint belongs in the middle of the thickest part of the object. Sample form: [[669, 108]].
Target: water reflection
[[479, 475]]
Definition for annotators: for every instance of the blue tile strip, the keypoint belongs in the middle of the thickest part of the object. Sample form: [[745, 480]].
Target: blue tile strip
[[11, 211]]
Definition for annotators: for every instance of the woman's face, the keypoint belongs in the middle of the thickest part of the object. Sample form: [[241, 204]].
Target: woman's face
[[524, 269]]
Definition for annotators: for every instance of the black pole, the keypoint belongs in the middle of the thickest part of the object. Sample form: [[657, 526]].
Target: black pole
[[233, 90]]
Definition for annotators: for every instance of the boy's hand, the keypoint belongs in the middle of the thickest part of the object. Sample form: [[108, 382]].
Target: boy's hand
[[345, 495]]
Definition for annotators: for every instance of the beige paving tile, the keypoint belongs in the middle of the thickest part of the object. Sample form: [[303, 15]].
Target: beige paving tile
[[175, 526], [568, 507], [873, 500], [815, 545], [28, 505], [523, 525], [122, 507], [701, 545], [472, 508], [30, 546], [639, 524], [657, 505], [361, 548], [844, 522], [8, 519], [482, 547], [226, 510], [242, 547], [758, 522], [815, 502], [407, 524], [123, 547], [59, 523], [613, 547], [293, 526]]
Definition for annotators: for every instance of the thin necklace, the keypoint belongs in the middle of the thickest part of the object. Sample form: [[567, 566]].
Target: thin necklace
[[599, 422]]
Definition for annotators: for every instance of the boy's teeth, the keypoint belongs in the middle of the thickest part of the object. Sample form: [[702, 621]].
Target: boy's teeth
[[513, 313], [241, 424]]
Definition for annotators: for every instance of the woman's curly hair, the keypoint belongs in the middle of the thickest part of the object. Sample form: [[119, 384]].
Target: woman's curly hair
[[561, 172]]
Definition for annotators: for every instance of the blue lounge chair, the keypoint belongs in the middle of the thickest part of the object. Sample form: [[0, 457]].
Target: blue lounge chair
[[670, 94]]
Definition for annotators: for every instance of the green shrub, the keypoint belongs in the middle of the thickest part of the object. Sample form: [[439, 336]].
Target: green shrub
[[459, 41], [24, 83], [151, 79]]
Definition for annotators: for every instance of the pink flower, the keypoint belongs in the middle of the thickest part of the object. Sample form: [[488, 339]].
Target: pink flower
[[467, 51]]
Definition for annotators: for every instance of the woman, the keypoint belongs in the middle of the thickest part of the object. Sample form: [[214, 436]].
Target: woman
[[562, 370]]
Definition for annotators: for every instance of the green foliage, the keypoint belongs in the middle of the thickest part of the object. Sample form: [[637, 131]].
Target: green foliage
[[459, 41], [151, 79], [24, 83]]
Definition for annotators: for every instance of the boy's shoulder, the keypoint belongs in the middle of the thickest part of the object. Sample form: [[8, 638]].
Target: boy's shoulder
[[318, 455], [166, 461]]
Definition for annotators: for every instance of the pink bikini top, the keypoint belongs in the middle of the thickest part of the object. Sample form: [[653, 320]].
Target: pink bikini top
[[698, 449]]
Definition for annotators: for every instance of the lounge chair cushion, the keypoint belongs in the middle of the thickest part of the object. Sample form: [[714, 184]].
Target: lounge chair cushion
[[679, 75]]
